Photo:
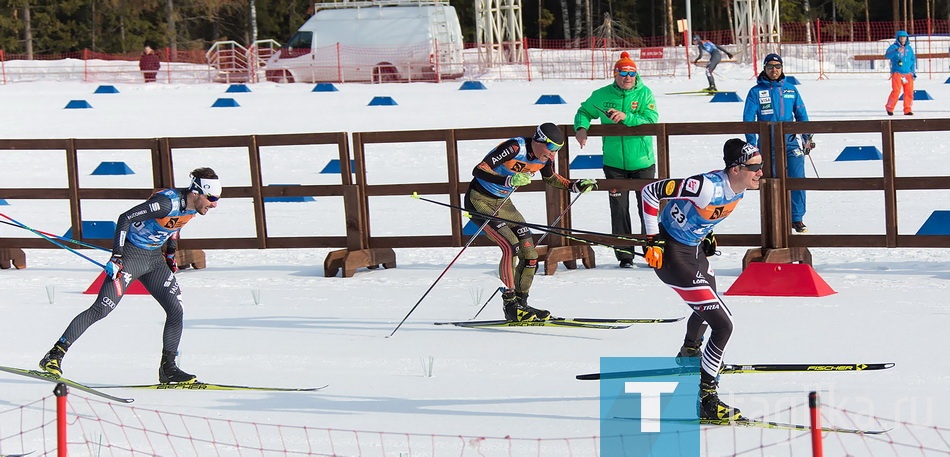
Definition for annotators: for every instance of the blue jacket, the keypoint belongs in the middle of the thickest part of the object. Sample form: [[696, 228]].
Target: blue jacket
[[902, 58], [774, 101]]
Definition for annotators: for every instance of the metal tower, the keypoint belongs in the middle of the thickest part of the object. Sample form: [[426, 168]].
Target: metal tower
[[499, 31], [756, 21]]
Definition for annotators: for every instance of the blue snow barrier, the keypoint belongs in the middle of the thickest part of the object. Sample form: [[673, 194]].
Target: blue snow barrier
[[382, 101], [78, 104], [792, 80], [234, 88], [113, 168], [106, 90], [225, 103], [947, 81], [725, 97], [324, 87], [472, 85], [919, 95], [334, 167], [3, 202], [937, 224], [300, 199], [100, 230], [851, 153], [551, 99], [470, 228], [591, 161]]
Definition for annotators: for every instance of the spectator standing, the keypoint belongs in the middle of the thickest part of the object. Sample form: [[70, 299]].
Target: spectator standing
[[629, 102], [714, 58], [773, 99], [149, 64], [903, 73]]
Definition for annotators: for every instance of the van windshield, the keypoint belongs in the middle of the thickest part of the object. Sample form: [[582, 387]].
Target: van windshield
[[299, 44]]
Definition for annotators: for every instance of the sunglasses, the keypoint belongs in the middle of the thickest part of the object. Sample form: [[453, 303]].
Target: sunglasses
[[552, 146], [751, 167], [777, 66], [627, 73], [211, 198]]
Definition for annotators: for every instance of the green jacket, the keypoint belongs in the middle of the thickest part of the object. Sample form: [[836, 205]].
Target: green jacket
[[623, 152]]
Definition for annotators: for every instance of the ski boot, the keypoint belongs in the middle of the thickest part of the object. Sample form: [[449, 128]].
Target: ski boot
[[711, 407], [53, 360], [168, 371], [517, 309], [689, 349]]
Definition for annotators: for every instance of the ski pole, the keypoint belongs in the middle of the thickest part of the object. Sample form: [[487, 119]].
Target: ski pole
[[486, 301], [70, 240], [559, 218], [813, 166], [469, 243], [51, 240]]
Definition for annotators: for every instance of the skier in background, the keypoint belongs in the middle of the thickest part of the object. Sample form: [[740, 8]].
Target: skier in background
[[508, 166], [714, 58]]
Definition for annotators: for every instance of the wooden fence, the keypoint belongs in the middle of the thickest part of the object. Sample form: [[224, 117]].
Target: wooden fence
[[359, 248]]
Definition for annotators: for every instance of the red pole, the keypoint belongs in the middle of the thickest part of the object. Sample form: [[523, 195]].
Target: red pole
[[60, 391], [689, 64], [813, 403]]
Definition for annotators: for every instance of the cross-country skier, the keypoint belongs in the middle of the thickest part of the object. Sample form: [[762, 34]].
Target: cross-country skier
[[136, 254], [714, 58], [683, 237]]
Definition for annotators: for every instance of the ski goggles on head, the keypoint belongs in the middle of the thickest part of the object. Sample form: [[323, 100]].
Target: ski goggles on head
[[627, 73], [540, 137], [209, 187]]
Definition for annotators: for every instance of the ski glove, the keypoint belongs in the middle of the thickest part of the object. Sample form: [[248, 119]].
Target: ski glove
[[518, 180], [170, 260], [584, 185], [730, 55], [710, 245], [114, 267], [809, 145], [654, 253]]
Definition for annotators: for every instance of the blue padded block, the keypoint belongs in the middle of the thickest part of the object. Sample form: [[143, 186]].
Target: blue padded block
[[300, 199], [107, 90], [225, 103], [553, 99], [947, 81], [725, 97], [100, 230], [334, 166], [592, 161], [937, 224], [78, 104], [234, 88], [472, 85], [470, 228], [3, 202], [919, 95], [382, 101], [324, 87], [113, 168], [860, 153], [792, 80]]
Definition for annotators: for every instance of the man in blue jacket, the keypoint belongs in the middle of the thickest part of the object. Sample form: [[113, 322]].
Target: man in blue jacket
[[773, 99], [903, 73]]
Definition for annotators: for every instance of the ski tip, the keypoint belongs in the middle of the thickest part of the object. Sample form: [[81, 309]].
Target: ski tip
[[415, 195]]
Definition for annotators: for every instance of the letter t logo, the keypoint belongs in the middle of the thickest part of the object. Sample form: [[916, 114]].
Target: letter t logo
[[650, 402]]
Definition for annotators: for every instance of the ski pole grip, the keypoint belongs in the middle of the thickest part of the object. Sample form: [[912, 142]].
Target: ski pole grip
[[813, 405]]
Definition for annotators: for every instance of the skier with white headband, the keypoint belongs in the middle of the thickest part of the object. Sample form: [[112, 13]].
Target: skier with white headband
[[136, 254]]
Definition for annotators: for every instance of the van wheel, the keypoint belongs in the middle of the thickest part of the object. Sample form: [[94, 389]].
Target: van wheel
[[385, 73]]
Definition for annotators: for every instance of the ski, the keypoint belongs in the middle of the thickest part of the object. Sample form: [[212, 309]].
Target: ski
[[595, 320], [731, 368], [757, 423], [49, 377], [760, 423], [548, 323], [16, 455], [693, 92], [212, 386]]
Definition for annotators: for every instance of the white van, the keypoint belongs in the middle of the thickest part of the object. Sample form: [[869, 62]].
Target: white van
[[379, 41]]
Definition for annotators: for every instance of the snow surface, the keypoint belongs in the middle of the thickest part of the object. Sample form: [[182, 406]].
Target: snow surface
[[309, 330]]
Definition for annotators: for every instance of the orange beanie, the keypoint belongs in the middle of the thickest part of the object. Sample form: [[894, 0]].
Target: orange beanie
[[625, 63]]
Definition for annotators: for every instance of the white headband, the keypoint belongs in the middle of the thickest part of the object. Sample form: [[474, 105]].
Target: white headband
[[206, 186]]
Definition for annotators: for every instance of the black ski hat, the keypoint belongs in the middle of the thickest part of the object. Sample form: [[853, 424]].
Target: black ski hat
[[736, 152], [549, 132]]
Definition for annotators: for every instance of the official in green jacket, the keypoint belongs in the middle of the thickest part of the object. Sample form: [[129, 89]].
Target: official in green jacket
[[629, 102]]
